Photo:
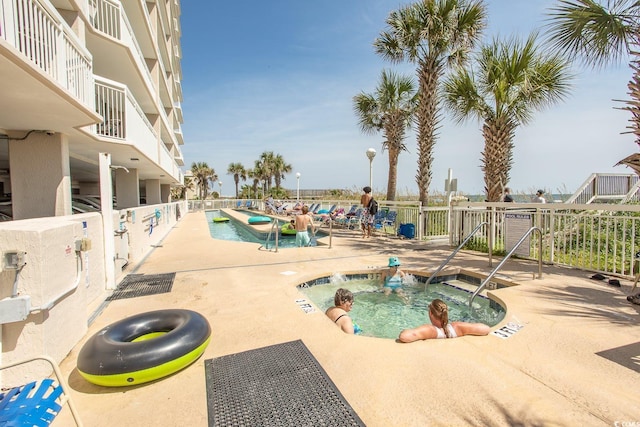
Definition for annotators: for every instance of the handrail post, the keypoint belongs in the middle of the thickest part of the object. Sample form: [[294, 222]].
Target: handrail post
[[506, 258], [446, 261], [492, 224], [275, 228]]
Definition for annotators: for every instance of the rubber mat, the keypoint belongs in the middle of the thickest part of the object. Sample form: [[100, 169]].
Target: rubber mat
[[279, 385], [139, 285]]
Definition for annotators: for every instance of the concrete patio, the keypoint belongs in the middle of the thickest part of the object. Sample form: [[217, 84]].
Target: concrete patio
[[576, 361]]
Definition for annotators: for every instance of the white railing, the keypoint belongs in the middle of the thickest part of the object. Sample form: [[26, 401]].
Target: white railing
[[110, 104], [109, 18], [36, 30], [105, 17], [604, 188], [602, 237]]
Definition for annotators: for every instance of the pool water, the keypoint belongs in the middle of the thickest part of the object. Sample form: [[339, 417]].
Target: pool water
[[384, 316], [238, 232]]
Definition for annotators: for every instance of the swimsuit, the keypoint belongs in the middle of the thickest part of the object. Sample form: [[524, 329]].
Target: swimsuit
[[393, 282], [302, 238], [356, 329], [441, 334]]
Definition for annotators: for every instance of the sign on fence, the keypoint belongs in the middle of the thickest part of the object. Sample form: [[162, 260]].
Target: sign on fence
[[516, 225]]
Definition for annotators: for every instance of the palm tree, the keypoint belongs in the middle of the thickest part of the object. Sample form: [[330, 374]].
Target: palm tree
[[203, 175], [389, 110], [179, 193], [600, 35], [510, 82], [280, 168], [238, 171], [254, 185], [258, 176], [267, 167], [433, 34]]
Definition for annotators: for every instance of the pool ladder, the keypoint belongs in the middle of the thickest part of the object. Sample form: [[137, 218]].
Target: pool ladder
[[450, 257], [273, 228], [517, 245], [495, 270]]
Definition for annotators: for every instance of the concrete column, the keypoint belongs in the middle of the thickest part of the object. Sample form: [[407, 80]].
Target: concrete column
[[127, 188], [153, 191], [40, 176], [165, 193], [106, 193]]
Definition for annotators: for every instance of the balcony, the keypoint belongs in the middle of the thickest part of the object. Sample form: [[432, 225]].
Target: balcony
[[46, 77]]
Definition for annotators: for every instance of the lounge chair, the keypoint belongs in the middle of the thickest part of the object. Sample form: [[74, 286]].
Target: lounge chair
[[353, 222], [322, 214], [38, 402], [352, 210], [238, 204]]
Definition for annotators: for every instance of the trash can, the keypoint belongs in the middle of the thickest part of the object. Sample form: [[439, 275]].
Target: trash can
[[408, 231]]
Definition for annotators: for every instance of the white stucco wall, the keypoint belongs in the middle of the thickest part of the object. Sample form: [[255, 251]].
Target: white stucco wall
[[51, 270]]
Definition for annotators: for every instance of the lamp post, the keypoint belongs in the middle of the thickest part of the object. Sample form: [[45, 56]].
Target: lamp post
[[220, 185], [371, 153], [298, 188]]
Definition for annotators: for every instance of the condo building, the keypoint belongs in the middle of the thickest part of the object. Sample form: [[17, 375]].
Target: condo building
[[90, 149]]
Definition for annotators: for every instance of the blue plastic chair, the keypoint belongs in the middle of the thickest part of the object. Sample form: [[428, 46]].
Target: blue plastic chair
[[36, 403], [390, 220]]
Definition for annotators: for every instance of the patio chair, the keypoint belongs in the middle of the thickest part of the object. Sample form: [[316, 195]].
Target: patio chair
[[379, 218], [352, 210], [353, 222], [390, 220], [38, 402], [322, 215], [238, 204]]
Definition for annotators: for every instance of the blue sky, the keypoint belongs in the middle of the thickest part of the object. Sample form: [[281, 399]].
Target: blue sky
[[280, 76]]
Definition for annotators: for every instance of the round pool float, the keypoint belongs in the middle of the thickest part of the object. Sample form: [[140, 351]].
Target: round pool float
[[287, 231], [259, 220], [144, 347], [221, 219]]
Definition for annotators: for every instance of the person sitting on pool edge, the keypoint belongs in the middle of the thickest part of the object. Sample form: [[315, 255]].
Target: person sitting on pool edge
[[440, 326], [339, 313], [392, 277]]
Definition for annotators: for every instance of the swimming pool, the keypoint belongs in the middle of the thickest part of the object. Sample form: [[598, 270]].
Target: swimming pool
[[238, 231], [385, 316]]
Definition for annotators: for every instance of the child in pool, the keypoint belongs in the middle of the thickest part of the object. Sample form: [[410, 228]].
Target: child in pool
[[393, 277]]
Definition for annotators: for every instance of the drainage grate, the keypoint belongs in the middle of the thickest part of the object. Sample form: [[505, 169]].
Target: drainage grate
[[279, 385], [139, 285]]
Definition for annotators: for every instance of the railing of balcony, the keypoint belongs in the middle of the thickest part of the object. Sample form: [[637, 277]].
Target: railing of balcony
[[110, 104], [105, 17], [36, 30], [105, 14]]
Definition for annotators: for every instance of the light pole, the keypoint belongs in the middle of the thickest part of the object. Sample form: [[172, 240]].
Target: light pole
[[220, 184], [371, 153], [298, 189]]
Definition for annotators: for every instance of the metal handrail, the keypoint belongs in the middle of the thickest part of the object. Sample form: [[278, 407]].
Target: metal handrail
[[495, 270], [446, 261], [266, 242]]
